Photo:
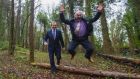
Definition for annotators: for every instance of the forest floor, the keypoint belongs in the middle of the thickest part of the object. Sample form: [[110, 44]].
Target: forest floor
[[18, 67]]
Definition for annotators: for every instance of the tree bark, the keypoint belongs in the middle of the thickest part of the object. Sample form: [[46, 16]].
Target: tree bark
[[107, 45], [12, 29], [136, 11], [26, 35], [17, 29], [8, 20], [90, 72], [66, 40], [70, 2], [45, 31], [123, 60], [64, 28], [31, 32], [27, 25], [88, 11], [130, 39]]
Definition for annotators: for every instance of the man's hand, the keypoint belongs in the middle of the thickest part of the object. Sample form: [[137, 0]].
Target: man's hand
[[63, 49], [46, 44], [62, 8], [100, 7]]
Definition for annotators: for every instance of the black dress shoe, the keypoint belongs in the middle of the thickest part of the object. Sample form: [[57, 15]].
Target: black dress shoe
[[53, 72], [58, 62], [72, 56]]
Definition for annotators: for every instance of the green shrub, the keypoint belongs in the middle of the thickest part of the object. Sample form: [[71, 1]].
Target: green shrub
[[21, 49], [4, 45]]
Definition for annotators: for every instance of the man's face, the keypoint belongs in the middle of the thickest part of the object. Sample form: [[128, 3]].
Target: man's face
[[78, 15], [54, 25]]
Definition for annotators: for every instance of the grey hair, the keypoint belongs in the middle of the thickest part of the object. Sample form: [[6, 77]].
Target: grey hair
[[79, 11]]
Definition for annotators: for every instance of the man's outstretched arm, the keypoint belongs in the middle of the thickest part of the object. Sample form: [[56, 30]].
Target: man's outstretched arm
[[62, 17], [97, 16]]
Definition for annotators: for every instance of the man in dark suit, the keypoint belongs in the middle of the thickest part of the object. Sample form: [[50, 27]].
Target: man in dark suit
[[54, 40], [79, 28]]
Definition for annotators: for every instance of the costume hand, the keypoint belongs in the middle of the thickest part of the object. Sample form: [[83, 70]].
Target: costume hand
[[62, 8]]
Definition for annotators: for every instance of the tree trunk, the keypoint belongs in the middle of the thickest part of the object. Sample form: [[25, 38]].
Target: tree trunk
[[1, 19], [3, 12], [17, 29], [107, 45], [122, 60], [90, 72], [88, 8], [88, 11], [8, 22], [43, 46], [71, 7], [26, 35], [64, 28], [66, 38], [130, 39], [137, 6], [12, 36], [26, 25], [31, 32], [136, 10]]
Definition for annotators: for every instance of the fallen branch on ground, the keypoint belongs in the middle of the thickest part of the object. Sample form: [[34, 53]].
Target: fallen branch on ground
[[123, 60], [90, 72]]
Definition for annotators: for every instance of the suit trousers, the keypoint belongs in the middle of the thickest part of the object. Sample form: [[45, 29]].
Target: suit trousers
[[57, 52]]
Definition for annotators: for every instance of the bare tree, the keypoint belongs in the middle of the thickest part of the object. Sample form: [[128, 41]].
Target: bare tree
[[11, 40], [107, 45], [31, 32], [17, 29]]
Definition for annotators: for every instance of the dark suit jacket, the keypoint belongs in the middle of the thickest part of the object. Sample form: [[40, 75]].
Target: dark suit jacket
[[54, 43], [87, 23]]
